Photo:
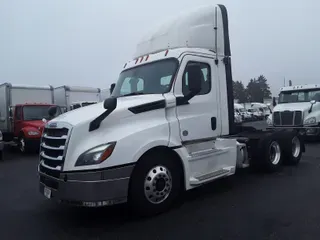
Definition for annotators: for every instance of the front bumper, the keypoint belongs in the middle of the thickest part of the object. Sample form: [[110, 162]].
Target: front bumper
[[88, 188]]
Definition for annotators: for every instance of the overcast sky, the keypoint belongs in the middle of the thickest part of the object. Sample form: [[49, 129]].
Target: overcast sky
[[87, 42]]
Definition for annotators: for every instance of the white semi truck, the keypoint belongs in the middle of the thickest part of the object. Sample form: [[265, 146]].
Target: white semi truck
[[65, 96], [168, 126], [298, 107]]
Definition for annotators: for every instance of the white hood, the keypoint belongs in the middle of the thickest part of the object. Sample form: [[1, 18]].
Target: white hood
[[90, 112], [301, 106]]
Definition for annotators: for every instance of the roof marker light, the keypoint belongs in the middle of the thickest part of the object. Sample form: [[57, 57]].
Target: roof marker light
[[166, 53], [136, 60], [141, 59], [147, 57], [125, 65]]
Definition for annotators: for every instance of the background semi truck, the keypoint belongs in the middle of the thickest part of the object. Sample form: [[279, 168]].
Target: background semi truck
[[64, 96], [298, 107], [168, 126], [23, 113]]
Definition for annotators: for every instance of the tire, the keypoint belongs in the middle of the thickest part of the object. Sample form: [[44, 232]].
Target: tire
[[155, 184], [22, 145], [1, 155], [292, 151], [269, 155]]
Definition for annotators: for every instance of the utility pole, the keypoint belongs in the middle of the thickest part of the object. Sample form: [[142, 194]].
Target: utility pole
[[284, 81]]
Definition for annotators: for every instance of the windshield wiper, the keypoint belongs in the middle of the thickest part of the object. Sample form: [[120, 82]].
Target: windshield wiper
[[133, 94]]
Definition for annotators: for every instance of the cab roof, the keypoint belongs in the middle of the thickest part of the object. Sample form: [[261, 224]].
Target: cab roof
[[300, 87], [201, 27]]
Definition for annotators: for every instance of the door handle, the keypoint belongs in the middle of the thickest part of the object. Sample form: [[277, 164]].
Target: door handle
[[213, 123]]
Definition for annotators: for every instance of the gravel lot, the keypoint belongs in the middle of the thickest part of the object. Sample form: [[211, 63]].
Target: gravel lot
[[247, 206]]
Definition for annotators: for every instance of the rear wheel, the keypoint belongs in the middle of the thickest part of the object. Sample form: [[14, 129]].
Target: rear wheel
[[293, 151], [155, 184], [268, 156]]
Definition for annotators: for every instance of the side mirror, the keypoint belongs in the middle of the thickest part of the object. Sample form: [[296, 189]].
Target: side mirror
[[274, 103], [112, 86], [312, 103], [52, 111], [110, 103], [195, 77]]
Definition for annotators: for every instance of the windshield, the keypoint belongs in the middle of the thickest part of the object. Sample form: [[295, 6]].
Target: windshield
[[242, 110], [299, 96], [153, 78], [37, 112]]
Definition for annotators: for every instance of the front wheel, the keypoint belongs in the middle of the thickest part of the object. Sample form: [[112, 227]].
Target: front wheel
[[22, 144], [155, 184]]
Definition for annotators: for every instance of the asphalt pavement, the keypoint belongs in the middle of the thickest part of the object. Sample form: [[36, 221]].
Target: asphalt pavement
[[246, 206]]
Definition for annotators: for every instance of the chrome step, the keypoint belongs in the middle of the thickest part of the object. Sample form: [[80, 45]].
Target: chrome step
[[198, 180]]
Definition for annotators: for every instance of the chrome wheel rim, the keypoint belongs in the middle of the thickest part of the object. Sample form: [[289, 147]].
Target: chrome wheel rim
[[158, 184], [22, 145], [274, 153], [296, 147]]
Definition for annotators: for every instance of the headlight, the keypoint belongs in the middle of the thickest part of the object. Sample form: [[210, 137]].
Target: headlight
[[96, 155], [311, 120], [33, 133], [1, 137]]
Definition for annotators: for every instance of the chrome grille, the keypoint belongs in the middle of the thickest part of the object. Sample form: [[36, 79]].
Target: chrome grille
[[53, 145], [287, 118]]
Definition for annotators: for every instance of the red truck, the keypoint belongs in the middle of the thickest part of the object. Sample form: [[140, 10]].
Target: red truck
[[23, 114]]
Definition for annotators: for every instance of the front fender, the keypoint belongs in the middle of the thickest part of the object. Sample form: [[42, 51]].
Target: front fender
[[315, 114], [133, 136], [27, 132]]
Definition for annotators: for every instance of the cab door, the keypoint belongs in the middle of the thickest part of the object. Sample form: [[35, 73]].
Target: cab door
[[198, 119], [200, 123]]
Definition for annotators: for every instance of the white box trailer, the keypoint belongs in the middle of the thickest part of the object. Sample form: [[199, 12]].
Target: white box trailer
[[23, 109], [64, 96], [105, 93]]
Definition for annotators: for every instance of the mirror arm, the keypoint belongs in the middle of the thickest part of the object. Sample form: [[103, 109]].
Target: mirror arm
[[183, 100]]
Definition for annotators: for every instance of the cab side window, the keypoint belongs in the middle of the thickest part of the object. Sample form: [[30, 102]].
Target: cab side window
[[205, 79]]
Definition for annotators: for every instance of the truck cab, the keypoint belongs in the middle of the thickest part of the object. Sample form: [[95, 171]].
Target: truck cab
[[168, 126], [28, 121], [299, 107]]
